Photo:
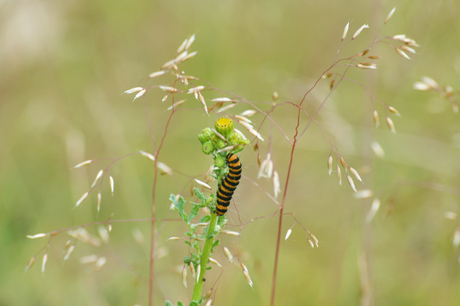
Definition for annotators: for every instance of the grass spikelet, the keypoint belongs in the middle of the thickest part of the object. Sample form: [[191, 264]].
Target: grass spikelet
[[169, 89], [189, 42], [288, 233], [30, 264], [164, 168], [391, 125], [363, 194], [339, 174], [148, 155], [203, 184], [69, 251], [228, 254], [140, 94], [99, 200], [103, 234], [342, 161], [350, 181], [329, 164], [86, 162], [355, 173], [402, 53], [373, 211], [45, 259], [41, 235], [83, 197], [214, 261], [276, 184], [156, 74], [389, 15], [376, 119], [275, 96], [345, 30], [364, 26], [98, 176], [112, 184], [394, 111], [184, 277]]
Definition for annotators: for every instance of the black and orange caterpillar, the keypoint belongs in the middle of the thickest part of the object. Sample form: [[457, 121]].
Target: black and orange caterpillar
[[228, 185]]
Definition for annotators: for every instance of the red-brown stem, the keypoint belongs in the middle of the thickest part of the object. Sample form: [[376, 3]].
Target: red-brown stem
[[280, 223], [152, 231]]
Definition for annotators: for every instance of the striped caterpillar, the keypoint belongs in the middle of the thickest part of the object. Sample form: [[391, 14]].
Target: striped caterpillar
[[228, 185]]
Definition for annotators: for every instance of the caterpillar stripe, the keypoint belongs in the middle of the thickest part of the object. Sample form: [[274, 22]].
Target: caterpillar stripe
[[229, 184]]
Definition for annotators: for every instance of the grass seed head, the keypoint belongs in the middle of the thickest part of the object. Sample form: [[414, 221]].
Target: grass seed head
[[184, 277], [329, 164], [345, 30], [378, 150], [350, 181], [364, 26], [389, 15], [391, 125]]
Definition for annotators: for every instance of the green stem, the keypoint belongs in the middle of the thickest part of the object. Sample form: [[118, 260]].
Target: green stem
[[205, 258]]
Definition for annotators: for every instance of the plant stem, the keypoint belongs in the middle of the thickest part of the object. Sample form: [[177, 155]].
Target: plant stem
[[205, 258]]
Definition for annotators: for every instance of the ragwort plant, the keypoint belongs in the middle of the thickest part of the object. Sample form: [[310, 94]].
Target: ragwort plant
[[204, 214]]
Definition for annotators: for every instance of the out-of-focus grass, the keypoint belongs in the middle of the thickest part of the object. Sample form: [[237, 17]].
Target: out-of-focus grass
[[64, 66]]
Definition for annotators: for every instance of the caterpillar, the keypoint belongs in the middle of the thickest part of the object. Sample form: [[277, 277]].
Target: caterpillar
[[229, 183]]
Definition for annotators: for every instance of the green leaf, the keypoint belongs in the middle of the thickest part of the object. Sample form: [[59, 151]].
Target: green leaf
[[193, 213], [199, 195], [179, 206], [168, 303], [205, 219], [216, 243], [193, 303], [180, 303]]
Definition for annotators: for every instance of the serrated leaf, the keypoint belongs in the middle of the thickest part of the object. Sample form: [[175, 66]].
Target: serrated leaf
[[216, 243], [193, 213], [179, 206], [199, 195], [205, 219]]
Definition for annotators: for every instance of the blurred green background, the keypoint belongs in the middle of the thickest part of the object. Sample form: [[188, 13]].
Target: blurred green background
[[63, 68]]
